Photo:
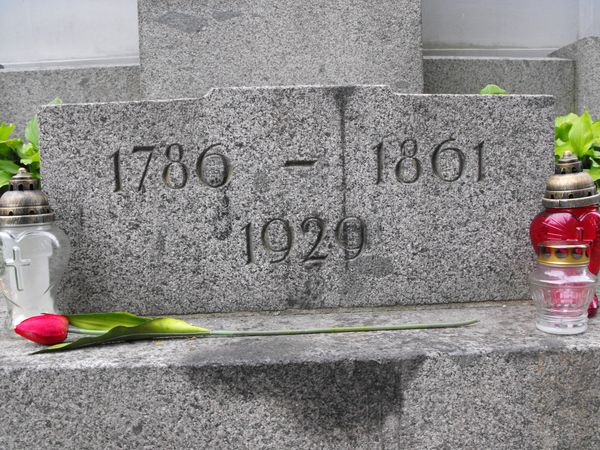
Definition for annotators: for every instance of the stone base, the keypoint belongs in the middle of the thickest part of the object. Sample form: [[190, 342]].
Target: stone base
[[497, 384]]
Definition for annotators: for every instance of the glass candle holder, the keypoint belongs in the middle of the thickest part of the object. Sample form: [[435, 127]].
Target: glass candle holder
[[34, 251], [571, 212], [562, 287]]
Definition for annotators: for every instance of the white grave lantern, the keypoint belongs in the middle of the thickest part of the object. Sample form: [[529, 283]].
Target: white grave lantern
[[34, 251]]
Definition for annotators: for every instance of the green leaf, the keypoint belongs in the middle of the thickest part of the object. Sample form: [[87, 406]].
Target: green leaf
[[6, 152], [561, 133], [8, 166], [10, 149], [596, 131], [30, 157], [106, 321], [493, 89], [34, 170], [35, 158], [590, 152], [13, 144], [562, 126], [580, 135], [594, 172], [569, 118], [56, 101], [6, 130], [154, 329], [32, 131], [4, 178], [26, 150]]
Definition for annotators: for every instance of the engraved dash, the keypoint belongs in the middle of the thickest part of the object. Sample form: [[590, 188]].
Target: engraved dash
[[300, 163]]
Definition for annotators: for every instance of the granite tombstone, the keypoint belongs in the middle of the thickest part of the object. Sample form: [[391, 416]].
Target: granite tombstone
[[275, 198]]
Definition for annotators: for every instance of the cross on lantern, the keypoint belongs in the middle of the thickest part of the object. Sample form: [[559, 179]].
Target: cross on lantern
[[18, 263]]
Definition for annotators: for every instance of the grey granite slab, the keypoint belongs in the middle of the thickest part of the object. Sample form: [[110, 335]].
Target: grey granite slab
[[497, 384], [468, 75], [23, 92], [188, 47], [586, 54], [312, 211]]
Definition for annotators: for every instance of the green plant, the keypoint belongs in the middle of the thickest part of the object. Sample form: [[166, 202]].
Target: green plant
[[16, 152], [493, 89], [581, 136]]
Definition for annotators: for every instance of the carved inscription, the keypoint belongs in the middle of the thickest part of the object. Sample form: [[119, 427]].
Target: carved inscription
[[212, 167], [278, 238], [408, 166]]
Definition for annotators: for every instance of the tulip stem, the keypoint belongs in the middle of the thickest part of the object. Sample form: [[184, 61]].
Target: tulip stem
[[73, 329], [413, 326], [230, 333]]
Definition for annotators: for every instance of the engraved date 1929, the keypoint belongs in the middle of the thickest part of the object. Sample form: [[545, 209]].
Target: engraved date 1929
[[278, 237]]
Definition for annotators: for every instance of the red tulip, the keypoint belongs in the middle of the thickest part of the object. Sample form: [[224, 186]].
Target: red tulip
[[47, 329]]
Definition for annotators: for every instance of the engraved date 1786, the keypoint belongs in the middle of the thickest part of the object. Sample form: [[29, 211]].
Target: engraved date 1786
[[212, 167], [277, 237]]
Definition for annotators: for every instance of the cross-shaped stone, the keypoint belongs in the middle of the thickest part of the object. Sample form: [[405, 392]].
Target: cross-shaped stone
[[18, 263]]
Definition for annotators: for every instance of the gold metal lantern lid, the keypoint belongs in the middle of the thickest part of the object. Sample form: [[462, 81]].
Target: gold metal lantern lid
[[562, 253], [24, 203], [570, 186]]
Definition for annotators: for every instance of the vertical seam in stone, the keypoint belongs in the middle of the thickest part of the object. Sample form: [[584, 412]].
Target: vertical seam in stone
[[341, 99]]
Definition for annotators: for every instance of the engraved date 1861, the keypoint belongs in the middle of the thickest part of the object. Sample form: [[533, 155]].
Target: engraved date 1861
[[278, 237], [409, 162]]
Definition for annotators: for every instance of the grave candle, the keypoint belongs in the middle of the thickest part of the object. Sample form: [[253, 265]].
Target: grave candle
[[562, 287], [34, 250], [571, 213]]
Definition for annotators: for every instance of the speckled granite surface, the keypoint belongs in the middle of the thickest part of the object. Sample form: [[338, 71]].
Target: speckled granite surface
[[468, 75], [586, 54], [309, 197], [188, 47], [496, 384], [24, 92]]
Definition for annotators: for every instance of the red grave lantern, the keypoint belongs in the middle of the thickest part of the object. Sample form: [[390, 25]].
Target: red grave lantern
[[571, 213]]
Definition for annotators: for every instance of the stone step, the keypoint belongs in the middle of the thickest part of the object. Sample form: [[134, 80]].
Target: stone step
[[23, 92], [467, 75], [309, 197], [186, 48], [497, 384]]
